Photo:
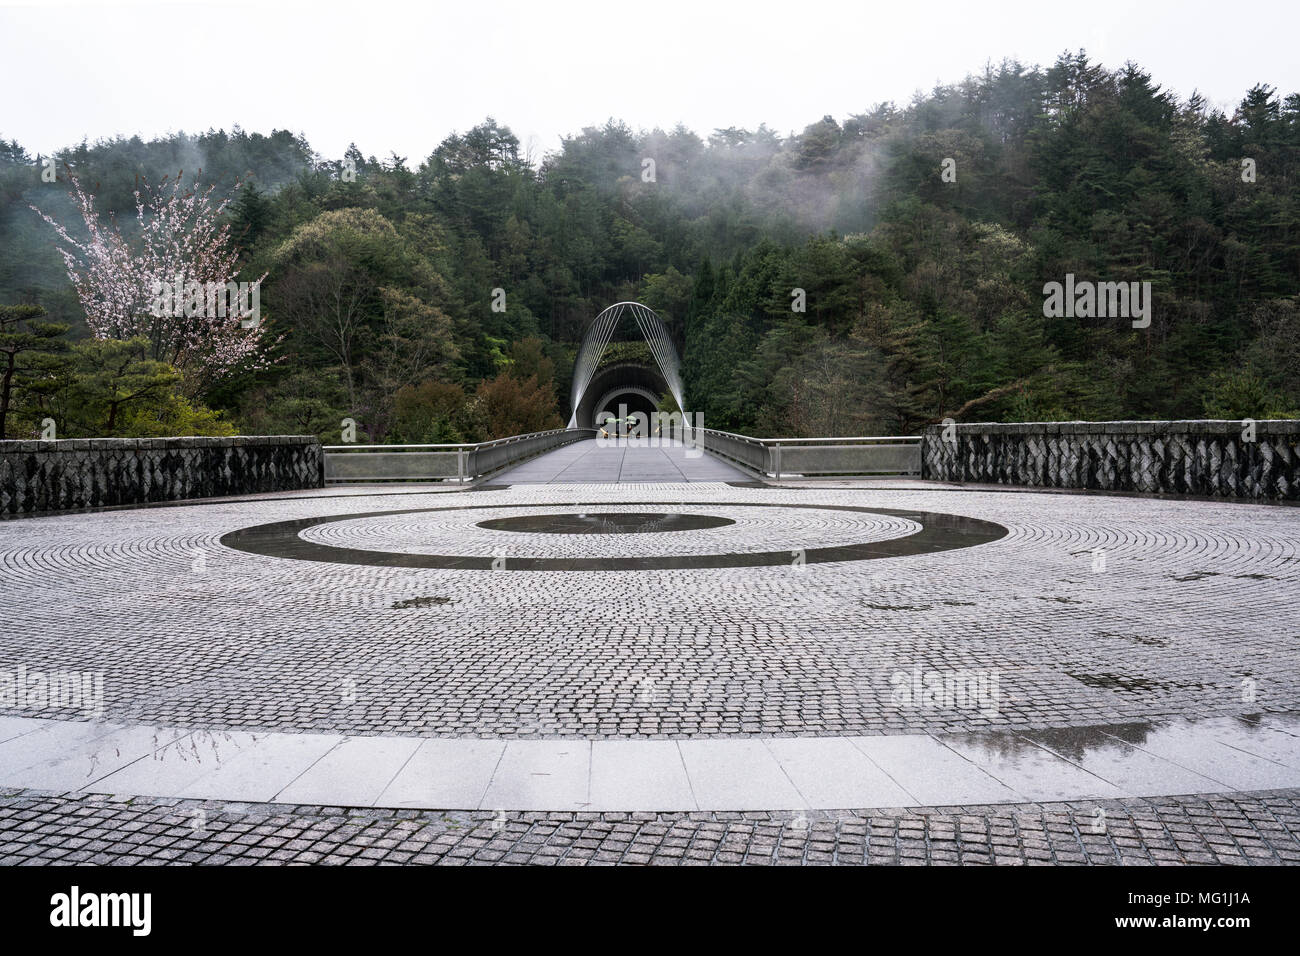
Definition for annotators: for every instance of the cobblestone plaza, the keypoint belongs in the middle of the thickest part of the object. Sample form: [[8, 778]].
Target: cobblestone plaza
[[654, 671]]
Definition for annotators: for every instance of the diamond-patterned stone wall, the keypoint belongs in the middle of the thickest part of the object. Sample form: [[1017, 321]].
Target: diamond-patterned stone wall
[[1218, 459], [38, 477]]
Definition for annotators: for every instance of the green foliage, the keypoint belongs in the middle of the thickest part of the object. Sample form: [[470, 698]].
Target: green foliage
[[528, 359], [923, 296], [432, 413], [1243, 394], [174, 415], [30, 351], [617, 352], [305, 401], [112, 389]]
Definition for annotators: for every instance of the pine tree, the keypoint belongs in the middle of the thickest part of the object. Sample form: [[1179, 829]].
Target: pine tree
[[29, 349]]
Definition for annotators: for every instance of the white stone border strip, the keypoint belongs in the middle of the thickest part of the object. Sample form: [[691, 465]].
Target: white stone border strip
[[780, 773]]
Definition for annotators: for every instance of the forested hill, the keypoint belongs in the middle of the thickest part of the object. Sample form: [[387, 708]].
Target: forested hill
[[924, 297]]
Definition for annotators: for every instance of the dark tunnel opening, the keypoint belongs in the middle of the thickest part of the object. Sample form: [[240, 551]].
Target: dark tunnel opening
[[637, 386]]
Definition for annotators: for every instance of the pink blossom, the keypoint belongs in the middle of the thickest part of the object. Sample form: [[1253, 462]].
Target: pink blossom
[[180, 235]]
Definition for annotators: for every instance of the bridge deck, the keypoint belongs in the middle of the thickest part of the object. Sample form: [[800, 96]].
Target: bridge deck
[[591, 461]]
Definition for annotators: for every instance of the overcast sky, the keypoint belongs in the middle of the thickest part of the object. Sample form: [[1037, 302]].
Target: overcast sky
[[401, 76]]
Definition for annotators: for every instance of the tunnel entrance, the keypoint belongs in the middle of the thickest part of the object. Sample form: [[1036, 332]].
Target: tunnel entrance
[[637, 386], [624, 402]]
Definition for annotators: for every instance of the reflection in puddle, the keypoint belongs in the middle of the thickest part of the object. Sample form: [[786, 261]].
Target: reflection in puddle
[[606, 523], [1111, 681]]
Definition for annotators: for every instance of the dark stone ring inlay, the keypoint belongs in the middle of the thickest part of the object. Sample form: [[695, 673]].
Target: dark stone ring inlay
[[939, 532]]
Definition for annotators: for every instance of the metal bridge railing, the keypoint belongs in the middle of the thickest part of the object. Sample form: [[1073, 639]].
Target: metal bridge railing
[[441, 462], [872, 455]]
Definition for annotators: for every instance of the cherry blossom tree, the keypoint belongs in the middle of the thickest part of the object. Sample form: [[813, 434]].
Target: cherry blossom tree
[[174, 281]]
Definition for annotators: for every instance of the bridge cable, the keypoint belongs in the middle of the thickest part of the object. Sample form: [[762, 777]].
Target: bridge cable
[[597, 340]]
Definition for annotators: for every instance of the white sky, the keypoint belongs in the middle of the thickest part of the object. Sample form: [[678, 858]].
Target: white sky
[[400, 76]]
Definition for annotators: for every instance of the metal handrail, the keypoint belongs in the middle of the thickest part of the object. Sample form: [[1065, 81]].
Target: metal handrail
[[763, 455], [472, 460], [481, 444], [811, 441], [759, 455], [839, 441]]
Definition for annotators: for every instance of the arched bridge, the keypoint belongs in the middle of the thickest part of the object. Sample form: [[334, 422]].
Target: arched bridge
[[598, 389], [679, 449]]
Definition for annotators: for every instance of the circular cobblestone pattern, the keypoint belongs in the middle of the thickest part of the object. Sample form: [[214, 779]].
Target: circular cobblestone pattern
[[925, 532], [1088, 610]]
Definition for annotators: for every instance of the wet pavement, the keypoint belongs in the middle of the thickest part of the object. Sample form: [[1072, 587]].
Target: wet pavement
[[677, 652], [1159, 758], [1080, 612], [1227, 830], [620, 461]]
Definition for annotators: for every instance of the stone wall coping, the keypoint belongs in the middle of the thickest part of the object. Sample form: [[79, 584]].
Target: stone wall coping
[[73, 474], [1270, 426], [146, 444]]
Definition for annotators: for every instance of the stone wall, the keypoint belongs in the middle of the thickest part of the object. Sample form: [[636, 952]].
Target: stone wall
[[38, 477], [1207, 458]]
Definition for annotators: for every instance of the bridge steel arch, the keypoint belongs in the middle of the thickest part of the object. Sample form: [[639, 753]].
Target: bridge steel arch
[[597, 339]]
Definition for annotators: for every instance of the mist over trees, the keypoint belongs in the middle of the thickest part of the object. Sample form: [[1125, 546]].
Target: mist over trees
[[924, 292]]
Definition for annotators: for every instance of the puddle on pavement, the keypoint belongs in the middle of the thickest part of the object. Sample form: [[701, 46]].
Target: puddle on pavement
[[606, 523], [1143, 639], [1130, 684], [420, 602]]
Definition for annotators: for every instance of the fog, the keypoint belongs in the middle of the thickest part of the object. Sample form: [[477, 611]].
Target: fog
[[401, 76]]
